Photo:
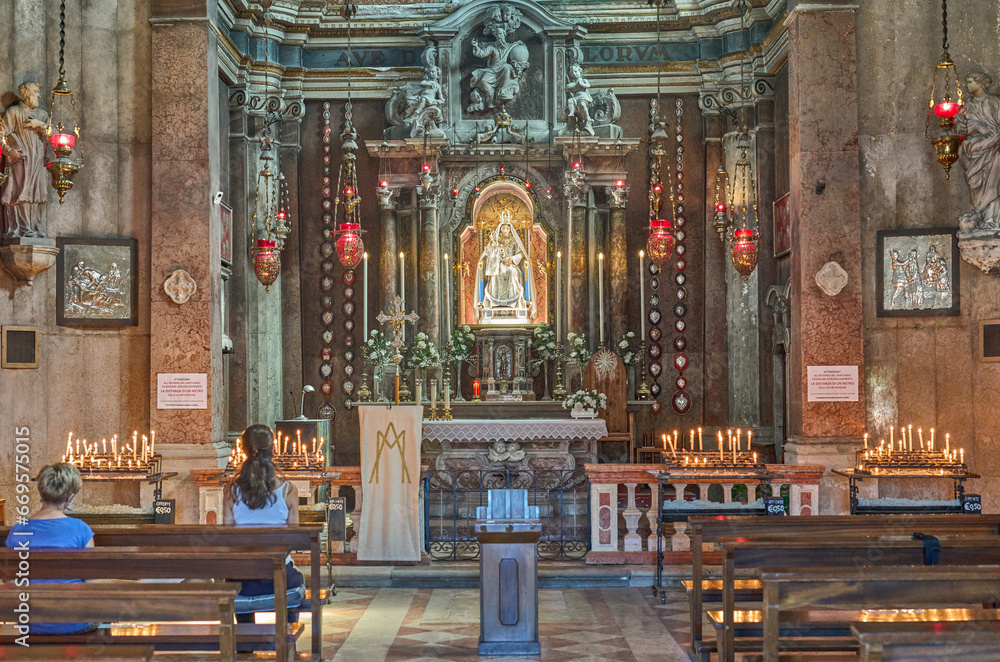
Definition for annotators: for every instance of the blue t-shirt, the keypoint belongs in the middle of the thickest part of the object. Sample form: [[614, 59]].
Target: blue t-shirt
[[58, 532]]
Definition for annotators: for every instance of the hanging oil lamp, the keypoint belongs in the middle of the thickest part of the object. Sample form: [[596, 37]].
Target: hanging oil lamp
[[62, 115], [946, 104], [350, 247]]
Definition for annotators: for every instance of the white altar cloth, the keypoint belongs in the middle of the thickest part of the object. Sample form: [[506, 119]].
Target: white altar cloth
[[531, 429]]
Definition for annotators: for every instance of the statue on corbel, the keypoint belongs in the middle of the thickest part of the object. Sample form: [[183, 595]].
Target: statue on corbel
[[419, 106], [595, 114], [979, 153]]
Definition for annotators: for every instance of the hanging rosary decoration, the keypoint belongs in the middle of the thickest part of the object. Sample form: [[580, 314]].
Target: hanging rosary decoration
[[654, 316], [327, 281], [681, 401]]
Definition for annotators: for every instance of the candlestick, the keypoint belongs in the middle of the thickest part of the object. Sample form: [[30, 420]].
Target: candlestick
[[402, 292], [600, 293], [558, 296], [433, 402], [699, 440], [364, 286], [642, 298]]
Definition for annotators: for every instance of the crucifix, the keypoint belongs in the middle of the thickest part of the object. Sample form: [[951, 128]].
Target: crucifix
[[397, 317]]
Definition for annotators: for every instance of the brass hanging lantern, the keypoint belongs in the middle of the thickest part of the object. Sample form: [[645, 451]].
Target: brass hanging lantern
[[742, 212], [946, 104], [266, 252], [266, 262], [62, 115], [350, 247]]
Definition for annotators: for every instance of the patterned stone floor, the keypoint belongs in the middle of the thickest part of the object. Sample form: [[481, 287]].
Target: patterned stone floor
[[426, 625]]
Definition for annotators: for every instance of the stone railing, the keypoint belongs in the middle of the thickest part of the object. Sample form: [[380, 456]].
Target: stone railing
[[616, 533]]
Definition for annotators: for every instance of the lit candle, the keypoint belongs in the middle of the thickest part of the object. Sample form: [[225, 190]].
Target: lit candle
[[947, 442], [699, 440], [866, 440], [692, 439], [114, 445], [920, 435], [419, 395], [720, 446], [729, 434], [314, 445], [600, 292], [892, 435], [961, 453], [475, 389], [932, 439], [447, 396], [69, 444], [558, 296], [749, 440], [755, 458], [145, 443], [285, 449], [135, 445], [910, 427], [739, 439], [364, 286], [433, 399], [664, 442], [78, 448], [298, 441], [152, 444], [642, 298]]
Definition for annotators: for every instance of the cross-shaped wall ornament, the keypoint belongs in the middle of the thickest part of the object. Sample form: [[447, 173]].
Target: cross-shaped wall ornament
[[397, 317]]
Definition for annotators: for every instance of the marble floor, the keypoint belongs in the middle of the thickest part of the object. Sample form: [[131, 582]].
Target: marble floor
[[575, 624]]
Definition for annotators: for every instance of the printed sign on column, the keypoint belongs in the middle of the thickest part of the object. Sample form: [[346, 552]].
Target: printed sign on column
[[182, 390], [832, 383]]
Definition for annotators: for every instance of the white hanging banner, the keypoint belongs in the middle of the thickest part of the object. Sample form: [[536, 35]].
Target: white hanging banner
[[390, 483]]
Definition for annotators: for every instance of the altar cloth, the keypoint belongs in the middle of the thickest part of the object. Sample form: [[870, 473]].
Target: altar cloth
[[531, 429]]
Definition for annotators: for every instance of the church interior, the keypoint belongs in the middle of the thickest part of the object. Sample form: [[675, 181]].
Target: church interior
[[500, 329]]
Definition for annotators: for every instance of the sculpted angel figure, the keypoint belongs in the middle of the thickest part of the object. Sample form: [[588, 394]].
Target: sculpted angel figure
[[26, 190], [499, 82], [579, 100], [419, 105], [980, 154]]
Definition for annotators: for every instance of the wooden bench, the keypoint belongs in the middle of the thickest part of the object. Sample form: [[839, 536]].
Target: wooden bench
[[872, 588], [838, 553], [292, 538], [40, 652], [928, 641], [168, 563], [712, 530], [119, 601]]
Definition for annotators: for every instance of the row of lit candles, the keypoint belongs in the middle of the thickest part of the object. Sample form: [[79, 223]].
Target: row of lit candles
[[132, 455], [735, 444], [299, 449], [708, 460], [906, 439]]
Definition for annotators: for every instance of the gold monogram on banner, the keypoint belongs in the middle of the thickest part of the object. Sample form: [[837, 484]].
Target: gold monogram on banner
[[398, 441]]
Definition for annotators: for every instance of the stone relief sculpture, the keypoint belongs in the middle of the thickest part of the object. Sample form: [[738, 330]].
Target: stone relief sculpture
[[499, 82], [578, 98], [25, 192], [606, 110], [979, 153], [418, 106]]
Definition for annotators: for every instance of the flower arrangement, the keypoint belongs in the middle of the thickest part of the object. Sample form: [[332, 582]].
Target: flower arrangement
[[377, 349], [626, 350], [544, 345], [582, 401], [579, 348], [423, 353], [462, 344]]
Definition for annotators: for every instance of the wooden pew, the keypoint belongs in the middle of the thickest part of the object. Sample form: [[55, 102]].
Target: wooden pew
[[165, 563], [293, 538], [963, 641], [42, 652], [714, 529], [117, 601], [872, 588]]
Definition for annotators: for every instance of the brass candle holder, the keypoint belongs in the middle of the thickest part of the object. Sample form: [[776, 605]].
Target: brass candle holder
[[559, 392], [642, 392]]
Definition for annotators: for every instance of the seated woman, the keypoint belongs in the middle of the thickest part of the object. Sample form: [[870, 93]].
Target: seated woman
[[58, 484], [257, 496]]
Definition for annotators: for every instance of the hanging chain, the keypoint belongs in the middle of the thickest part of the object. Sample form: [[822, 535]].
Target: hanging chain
[[62, 39], [659, 59], [944, 25]]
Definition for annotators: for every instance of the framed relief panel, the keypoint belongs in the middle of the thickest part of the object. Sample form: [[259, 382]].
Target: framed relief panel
[[96, 281], [782, 225], [917, 273]]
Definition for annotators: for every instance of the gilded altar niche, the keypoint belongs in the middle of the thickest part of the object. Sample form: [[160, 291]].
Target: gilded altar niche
[[504, 260]]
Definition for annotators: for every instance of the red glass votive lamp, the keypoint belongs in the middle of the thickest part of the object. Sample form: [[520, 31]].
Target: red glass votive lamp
[[475, 390], [62, 140]]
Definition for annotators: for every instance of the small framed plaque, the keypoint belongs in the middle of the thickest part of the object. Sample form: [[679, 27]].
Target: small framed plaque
[[96, 281], [917, 273]]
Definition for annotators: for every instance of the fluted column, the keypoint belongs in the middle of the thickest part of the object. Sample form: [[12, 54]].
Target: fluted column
[[388, 262], [617, 264], [427, 283], [577, 200]]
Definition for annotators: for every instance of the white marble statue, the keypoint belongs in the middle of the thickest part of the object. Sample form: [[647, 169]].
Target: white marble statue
[[980, 154], [500, 269], [25, 192], [419, 106], [499, 82], [578, 98]]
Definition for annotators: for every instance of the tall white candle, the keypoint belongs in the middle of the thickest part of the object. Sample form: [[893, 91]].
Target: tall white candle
[[600, 293], [447, 297], [558, 295], [364, 285], [642, 298]]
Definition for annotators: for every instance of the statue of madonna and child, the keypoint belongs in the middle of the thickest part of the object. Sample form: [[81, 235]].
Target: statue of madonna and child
[[500, 268]]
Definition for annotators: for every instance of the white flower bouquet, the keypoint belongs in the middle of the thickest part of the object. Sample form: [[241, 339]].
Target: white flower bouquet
[[377, 349], [544, 345], [627, 350], [585, 401], [423, 353], [579, 348], [462, 344]]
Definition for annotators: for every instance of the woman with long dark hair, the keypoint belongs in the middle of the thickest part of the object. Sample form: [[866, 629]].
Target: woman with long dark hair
[[259, 496]]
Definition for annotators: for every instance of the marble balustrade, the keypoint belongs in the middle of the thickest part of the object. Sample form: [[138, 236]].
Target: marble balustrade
[[628, 535]]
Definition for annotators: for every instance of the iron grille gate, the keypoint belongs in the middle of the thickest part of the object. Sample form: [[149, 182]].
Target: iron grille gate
[[451, 499]]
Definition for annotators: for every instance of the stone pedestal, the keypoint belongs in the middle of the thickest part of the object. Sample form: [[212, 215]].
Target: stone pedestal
[[28, 257], [830, 452]]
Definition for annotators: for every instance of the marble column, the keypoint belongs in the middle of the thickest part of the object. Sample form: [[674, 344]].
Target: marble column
[[823, 145], [427, 278], [617, 268], [185, 174], [578, 309], [388, 260], [716, 376]]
